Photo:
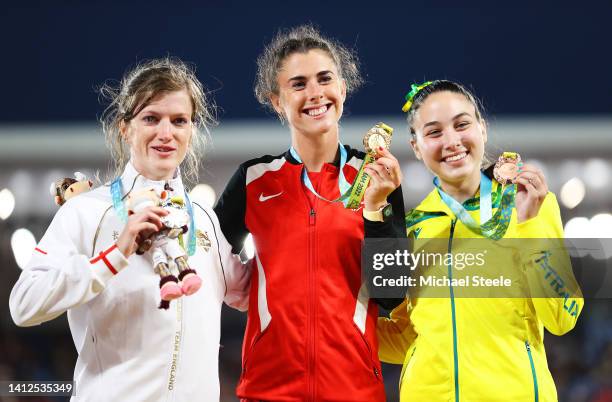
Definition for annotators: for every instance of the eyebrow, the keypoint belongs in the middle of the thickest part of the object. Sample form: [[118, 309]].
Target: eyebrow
[[301, 77], [431, 123]]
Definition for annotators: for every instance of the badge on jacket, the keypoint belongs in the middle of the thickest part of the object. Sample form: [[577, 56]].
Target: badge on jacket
[[203, 240]]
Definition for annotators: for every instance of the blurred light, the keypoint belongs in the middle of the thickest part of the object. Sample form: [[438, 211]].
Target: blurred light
[[416, 176], [596, 173], [249, 246], [572, 193], [203, 194], [23, 186], [577, 228], [23, 244], [601, 226], [7, 203], [569, 169]]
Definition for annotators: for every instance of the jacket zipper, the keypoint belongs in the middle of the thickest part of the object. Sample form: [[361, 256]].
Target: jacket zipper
[[453, 317], [533, 371], [312, 307]]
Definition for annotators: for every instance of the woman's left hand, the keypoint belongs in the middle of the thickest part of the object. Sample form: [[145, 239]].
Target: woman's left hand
[[385, 176], [531, 191]]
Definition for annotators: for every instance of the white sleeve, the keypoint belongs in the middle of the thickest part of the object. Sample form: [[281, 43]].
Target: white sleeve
[[237, 274], [60, 275]]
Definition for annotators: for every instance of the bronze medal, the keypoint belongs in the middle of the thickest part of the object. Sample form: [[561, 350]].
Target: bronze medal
[[507, 167]]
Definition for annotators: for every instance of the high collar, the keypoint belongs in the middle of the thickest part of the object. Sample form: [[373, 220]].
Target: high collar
[[434, 203], [334, 163], [132, 179]]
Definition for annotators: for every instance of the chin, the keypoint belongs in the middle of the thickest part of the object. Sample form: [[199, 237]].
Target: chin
[[457, 174], [321, 127]]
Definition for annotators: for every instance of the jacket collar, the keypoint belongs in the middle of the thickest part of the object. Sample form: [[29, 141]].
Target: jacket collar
[[434, 203], [132, 180], [335, 162]]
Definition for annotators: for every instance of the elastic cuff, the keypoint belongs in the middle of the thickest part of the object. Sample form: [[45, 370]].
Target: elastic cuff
[[373, 216], [108, 263]]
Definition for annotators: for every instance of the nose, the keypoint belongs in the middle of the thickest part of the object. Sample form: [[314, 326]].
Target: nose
[[164, 130], [314, 91], [452, 139]]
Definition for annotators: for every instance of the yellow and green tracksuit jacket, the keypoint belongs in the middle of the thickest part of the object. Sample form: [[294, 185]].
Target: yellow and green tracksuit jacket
[[477, 349]]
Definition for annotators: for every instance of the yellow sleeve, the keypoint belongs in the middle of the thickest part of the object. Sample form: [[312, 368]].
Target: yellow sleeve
[[395, 335], [556, 295]]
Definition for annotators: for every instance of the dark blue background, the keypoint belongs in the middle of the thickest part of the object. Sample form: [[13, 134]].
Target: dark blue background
[[520, 59]]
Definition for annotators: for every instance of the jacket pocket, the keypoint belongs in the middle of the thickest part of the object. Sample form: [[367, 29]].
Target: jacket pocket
[[375, 366], [252, 348], [533, 371]]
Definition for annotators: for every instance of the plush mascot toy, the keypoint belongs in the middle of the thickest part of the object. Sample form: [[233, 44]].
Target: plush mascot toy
[[66, 188], [165, 245]]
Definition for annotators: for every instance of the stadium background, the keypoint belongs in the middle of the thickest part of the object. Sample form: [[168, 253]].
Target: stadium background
[[542, 72]]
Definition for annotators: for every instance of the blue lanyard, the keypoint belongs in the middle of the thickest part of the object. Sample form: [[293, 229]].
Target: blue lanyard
[[343, 186], [119, 205], [461, 213]]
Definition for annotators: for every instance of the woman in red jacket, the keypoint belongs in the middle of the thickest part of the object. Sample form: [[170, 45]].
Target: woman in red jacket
[[311, 332]]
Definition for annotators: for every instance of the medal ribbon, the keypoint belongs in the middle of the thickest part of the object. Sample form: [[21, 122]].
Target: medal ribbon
[[350, 194], [343, 185], [119, 205], [492, 226]]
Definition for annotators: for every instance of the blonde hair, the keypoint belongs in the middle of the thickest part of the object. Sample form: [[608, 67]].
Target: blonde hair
[[138, 87]]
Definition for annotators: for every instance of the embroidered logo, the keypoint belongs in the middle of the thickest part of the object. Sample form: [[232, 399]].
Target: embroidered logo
[[203, 240], [264, 198]]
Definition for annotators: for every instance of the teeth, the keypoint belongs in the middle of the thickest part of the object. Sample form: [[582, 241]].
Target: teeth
[[316, 112], [456, 157]]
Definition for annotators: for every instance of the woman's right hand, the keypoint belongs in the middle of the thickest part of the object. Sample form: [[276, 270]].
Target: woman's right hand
[[385, 176], [139, 227]]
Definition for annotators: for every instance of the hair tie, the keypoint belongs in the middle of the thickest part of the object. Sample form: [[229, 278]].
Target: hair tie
[[414, 89]]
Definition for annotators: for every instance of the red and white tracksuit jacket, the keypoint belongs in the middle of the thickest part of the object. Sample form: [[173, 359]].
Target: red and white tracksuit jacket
[[129, 350], [311, 331]]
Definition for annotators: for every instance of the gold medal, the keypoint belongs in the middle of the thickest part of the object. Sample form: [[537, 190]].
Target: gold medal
[[377, 136], [507, 167]]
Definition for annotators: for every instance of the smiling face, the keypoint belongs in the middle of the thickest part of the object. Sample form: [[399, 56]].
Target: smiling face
[[159, 134], [311, 93], [450, 137]]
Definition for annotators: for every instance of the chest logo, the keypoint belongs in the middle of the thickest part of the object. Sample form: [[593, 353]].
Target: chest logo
[[417, 232], [203, 240], [264, 198]]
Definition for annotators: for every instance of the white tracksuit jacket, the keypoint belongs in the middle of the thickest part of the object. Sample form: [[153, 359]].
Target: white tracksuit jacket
[[129, 350]]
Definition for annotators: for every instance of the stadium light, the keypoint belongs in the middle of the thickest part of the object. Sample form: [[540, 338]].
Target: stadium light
[[7, 203], [23, 244]]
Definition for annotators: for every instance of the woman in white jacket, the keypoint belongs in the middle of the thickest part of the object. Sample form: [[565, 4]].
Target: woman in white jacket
[[86, 264]]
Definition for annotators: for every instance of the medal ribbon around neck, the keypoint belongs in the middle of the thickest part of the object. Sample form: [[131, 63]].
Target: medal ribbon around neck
[[343, 186], [350, 194], [117, 195], [492, 226]]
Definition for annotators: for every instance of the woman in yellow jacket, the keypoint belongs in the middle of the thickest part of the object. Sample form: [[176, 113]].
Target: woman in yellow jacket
[[476, 349]]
